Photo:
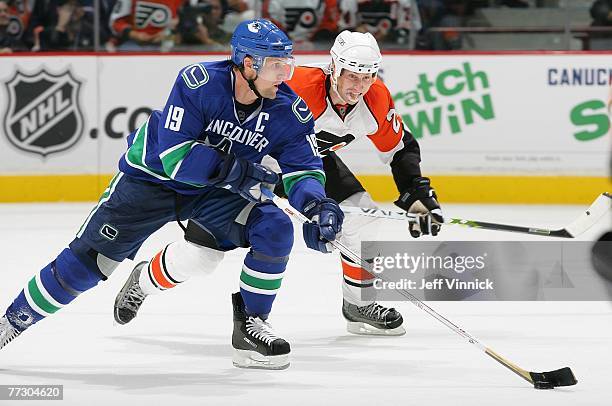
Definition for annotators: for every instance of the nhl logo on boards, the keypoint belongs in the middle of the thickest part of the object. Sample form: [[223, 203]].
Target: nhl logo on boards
[[43, 114]]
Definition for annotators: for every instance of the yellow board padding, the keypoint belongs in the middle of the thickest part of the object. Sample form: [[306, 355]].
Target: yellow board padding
[[52, 188], [500, 189], [450, 189]]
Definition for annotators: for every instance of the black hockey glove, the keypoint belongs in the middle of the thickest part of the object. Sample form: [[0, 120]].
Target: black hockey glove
[[421, 199], [244, 177], [324, 226]]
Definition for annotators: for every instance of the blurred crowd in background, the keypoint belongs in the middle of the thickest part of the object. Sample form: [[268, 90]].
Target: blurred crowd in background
[[206, 25]]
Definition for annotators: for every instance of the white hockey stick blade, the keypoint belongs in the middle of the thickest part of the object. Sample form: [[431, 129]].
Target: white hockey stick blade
[[591, 216]]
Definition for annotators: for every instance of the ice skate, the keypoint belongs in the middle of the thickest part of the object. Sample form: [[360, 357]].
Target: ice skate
[[130, 297], [254, 341], [7, 332], [372, 319]]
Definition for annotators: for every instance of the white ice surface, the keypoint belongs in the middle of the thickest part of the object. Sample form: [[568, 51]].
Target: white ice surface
[[178, 350]]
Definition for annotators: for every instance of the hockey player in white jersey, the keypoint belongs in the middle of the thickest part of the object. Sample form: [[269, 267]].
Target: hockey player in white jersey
[[349, 102]]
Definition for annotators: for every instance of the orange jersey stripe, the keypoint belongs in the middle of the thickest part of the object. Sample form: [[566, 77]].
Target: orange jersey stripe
[[390, 127], [157, 273]]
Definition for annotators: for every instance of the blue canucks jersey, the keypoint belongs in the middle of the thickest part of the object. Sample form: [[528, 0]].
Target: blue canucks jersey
[[180, 146]]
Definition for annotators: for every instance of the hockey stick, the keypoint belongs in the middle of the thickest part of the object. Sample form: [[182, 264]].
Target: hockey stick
[[582, 223], [540, 380]]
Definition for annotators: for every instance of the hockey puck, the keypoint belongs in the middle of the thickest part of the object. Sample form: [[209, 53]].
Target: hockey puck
[[543, 385]]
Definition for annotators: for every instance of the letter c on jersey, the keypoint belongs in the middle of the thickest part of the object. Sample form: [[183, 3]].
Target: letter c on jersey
[[261, 127]]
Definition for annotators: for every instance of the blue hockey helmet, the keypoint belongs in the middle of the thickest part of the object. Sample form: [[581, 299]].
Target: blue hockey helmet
[[259, 39]]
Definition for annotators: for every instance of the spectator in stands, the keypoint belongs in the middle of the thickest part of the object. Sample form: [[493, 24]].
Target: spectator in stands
[[236, 11], [19, 11], [601, 11], [443, 14], [6, 45], [304, 21], [199, 23], [61, 25], [387, 20], [236, 6], [106, 35], [10, 30], [150, 25]]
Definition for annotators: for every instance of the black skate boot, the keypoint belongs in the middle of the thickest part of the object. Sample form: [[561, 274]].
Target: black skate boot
[[372, 319], [255, 343], [8, 332], [130, 297]]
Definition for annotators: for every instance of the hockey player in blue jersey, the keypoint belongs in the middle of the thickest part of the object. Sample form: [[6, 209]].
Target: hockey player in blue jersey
[[199, 159]]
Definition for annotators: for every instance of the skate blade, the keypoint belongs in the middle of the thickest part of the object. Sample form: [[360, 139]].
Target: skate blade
[[254, 360], [117, 321], [364, 329]]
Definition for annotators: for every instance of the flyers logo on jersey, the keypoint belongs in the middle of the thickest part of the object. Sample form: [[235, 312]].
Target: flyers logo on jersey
[[153, 14], [329, 142], [43, 114]]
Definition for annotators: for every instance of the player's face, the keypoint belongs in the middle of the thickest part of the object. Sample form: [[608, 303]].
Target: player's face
[[267, 88], [353, 85], [216, 10], [271, 73]]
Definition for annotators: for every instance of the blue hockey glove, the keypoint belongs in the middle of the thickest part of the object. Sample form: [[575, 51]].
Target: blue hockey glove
[[245, 178], [421, 199], [325, 224]]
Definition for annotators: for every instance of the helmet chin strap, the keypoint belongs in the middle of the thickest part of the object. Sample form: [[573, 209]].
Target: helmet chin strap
[[251, 83]]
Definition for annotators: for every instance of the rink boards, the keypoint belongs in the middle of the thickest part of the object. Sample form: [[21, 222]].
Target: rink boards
[[506, 127]]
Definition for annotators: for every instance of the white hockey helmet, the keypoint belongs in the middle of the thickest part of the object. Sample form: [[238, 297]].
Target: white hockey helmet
[[355, 51]]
